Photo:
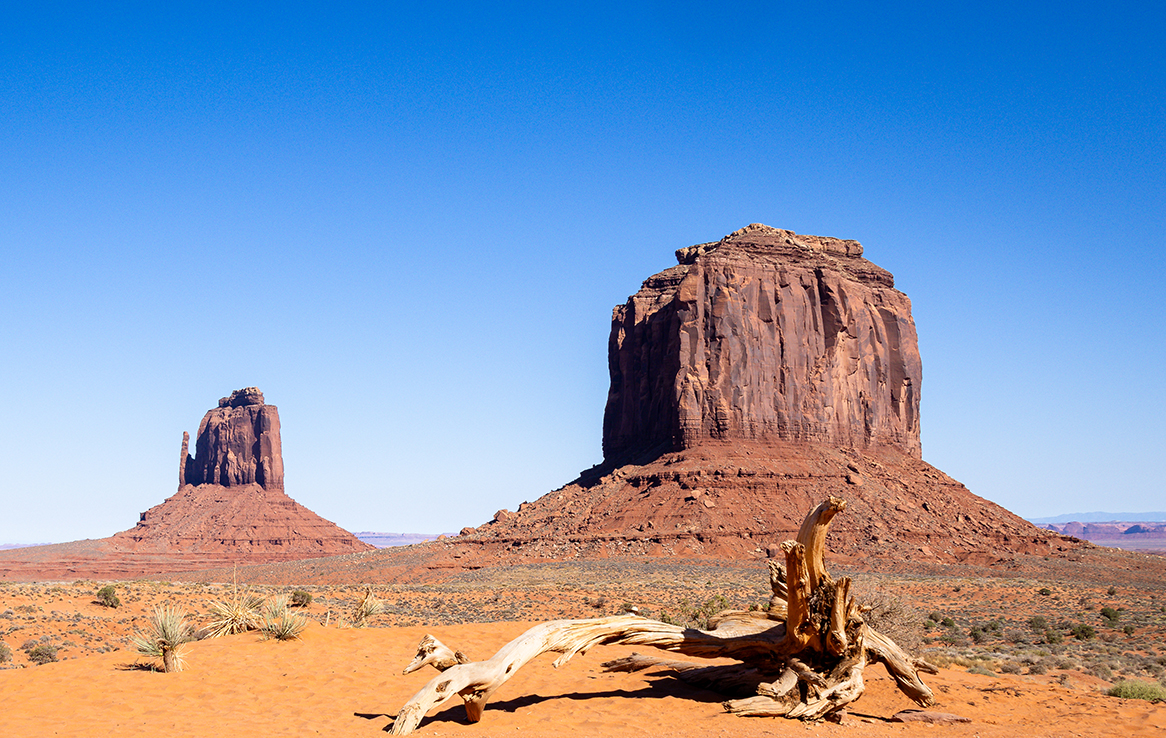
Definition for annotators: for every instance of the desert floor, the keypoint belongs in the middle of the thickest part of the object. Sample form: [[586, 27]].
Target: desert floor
[[347, 681]]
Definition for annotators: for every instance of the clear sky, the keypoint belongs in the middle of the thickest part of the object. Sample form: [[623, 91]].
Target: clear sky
[[407, 223]]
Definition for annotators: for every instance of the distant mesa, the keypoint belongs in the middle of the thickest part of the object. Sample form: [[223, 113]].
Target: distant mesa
[[230, 508]]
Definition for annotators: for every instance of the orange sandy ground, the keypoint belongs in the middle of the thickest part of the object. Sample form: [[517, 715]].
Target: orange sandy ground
[[347, 682]]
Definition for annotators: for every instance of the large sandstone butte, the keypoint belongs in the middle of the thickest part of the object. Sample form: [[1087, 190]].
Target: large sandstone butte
[[230, 508], [764, 335], [761, 374]]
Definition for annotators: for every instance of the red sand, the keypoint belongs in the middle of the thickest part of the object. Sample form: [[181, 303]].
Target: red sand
[[346, 682]]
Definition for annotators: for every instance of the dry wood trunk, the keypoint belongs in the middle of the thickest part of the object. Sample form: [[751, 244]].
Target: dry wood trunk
[[803, 658]]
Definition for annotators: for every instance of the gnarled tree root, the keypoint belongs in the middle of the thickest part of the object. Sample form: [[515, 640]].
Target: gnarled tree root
[[802, 659]]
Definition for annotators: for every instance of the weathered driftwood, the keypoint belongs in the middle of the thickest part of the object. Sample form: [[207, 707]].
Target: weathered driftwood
[[803, 658]]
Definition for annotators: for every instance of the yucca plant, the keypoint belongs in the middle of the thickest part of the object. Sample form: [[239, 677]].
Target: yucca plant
[[166, 638], [281, 624], [366, 608], [240, 612]]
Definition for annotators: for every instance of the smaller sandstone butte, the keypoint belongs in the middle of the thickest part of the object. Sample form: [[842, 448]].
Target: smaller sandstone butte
[[238, 443], [764, 335], [230, 508]]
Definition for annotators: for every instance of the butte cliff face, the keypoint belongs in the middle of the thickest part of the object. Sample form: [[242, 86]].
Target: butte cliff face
[[765, 335], [237, 444]]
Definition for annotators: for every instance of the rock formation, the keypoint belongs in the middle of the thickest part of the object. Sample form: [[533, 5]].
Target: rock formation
[[764, 372], [230, 508], [764, 335], [238, 443]]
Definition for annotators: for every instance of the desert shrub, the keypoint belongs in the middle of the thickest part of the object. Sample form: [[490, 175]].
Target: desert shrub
[[30, 643], [107, 596], [1101, 671], [947, 623], [42, 653], [1018, 637], [1110, 615], [978, 634], [1010, 667], [1038, 624], [1128, 630], [368, 606], [1135, 689], [1053, 637], [165, 638], [1111, 591], [1044, 591], [935, 617], [894, 618], [5, 653], [240, 612], [282, 625], [1038, 668], [8, 614], [300, 598], [980, 669], [1083, 632]]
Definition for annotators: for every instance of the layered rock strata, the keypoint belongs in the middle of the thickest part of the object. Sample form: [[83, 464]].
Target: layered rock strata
[[764, 335]]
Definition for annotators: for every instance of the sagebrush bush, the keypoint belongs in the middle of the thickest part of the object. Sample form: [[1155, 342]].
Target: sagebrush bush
[[5, 653], [1083, 632], [42, 653], [300, 598], [107, 596], [1136, 689]]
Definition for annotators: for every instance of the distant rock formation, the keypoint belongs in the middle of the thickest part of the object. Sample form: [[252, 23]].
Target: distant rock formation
[[230, 508], [238, 443], [764, 335]]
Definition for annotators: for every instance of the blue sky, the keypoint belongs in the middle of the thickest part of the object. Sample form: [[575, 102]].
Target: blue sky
[[408, 223]]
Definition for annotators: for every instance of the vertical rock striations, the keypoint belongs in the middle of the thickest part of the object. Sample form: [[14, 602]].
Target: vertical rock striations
[[237, 444], [765, 335]]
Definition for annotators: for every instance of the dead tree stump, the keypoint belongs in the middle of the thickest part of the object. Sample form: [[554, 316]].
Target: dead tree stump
[[803, 658]]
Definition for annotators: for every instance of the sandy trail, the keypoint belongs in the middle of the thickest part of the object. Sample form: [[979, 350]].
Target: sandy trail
[[346, 682]]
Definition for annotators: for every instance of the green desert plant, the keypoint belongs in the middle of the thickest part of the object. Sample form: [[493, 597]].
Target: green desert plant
[[107, 596], [368, 606], [282, 625], [1083, 632], [42, 653], [5, 653], [1136, 689], [300, 598], [167, 634]]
